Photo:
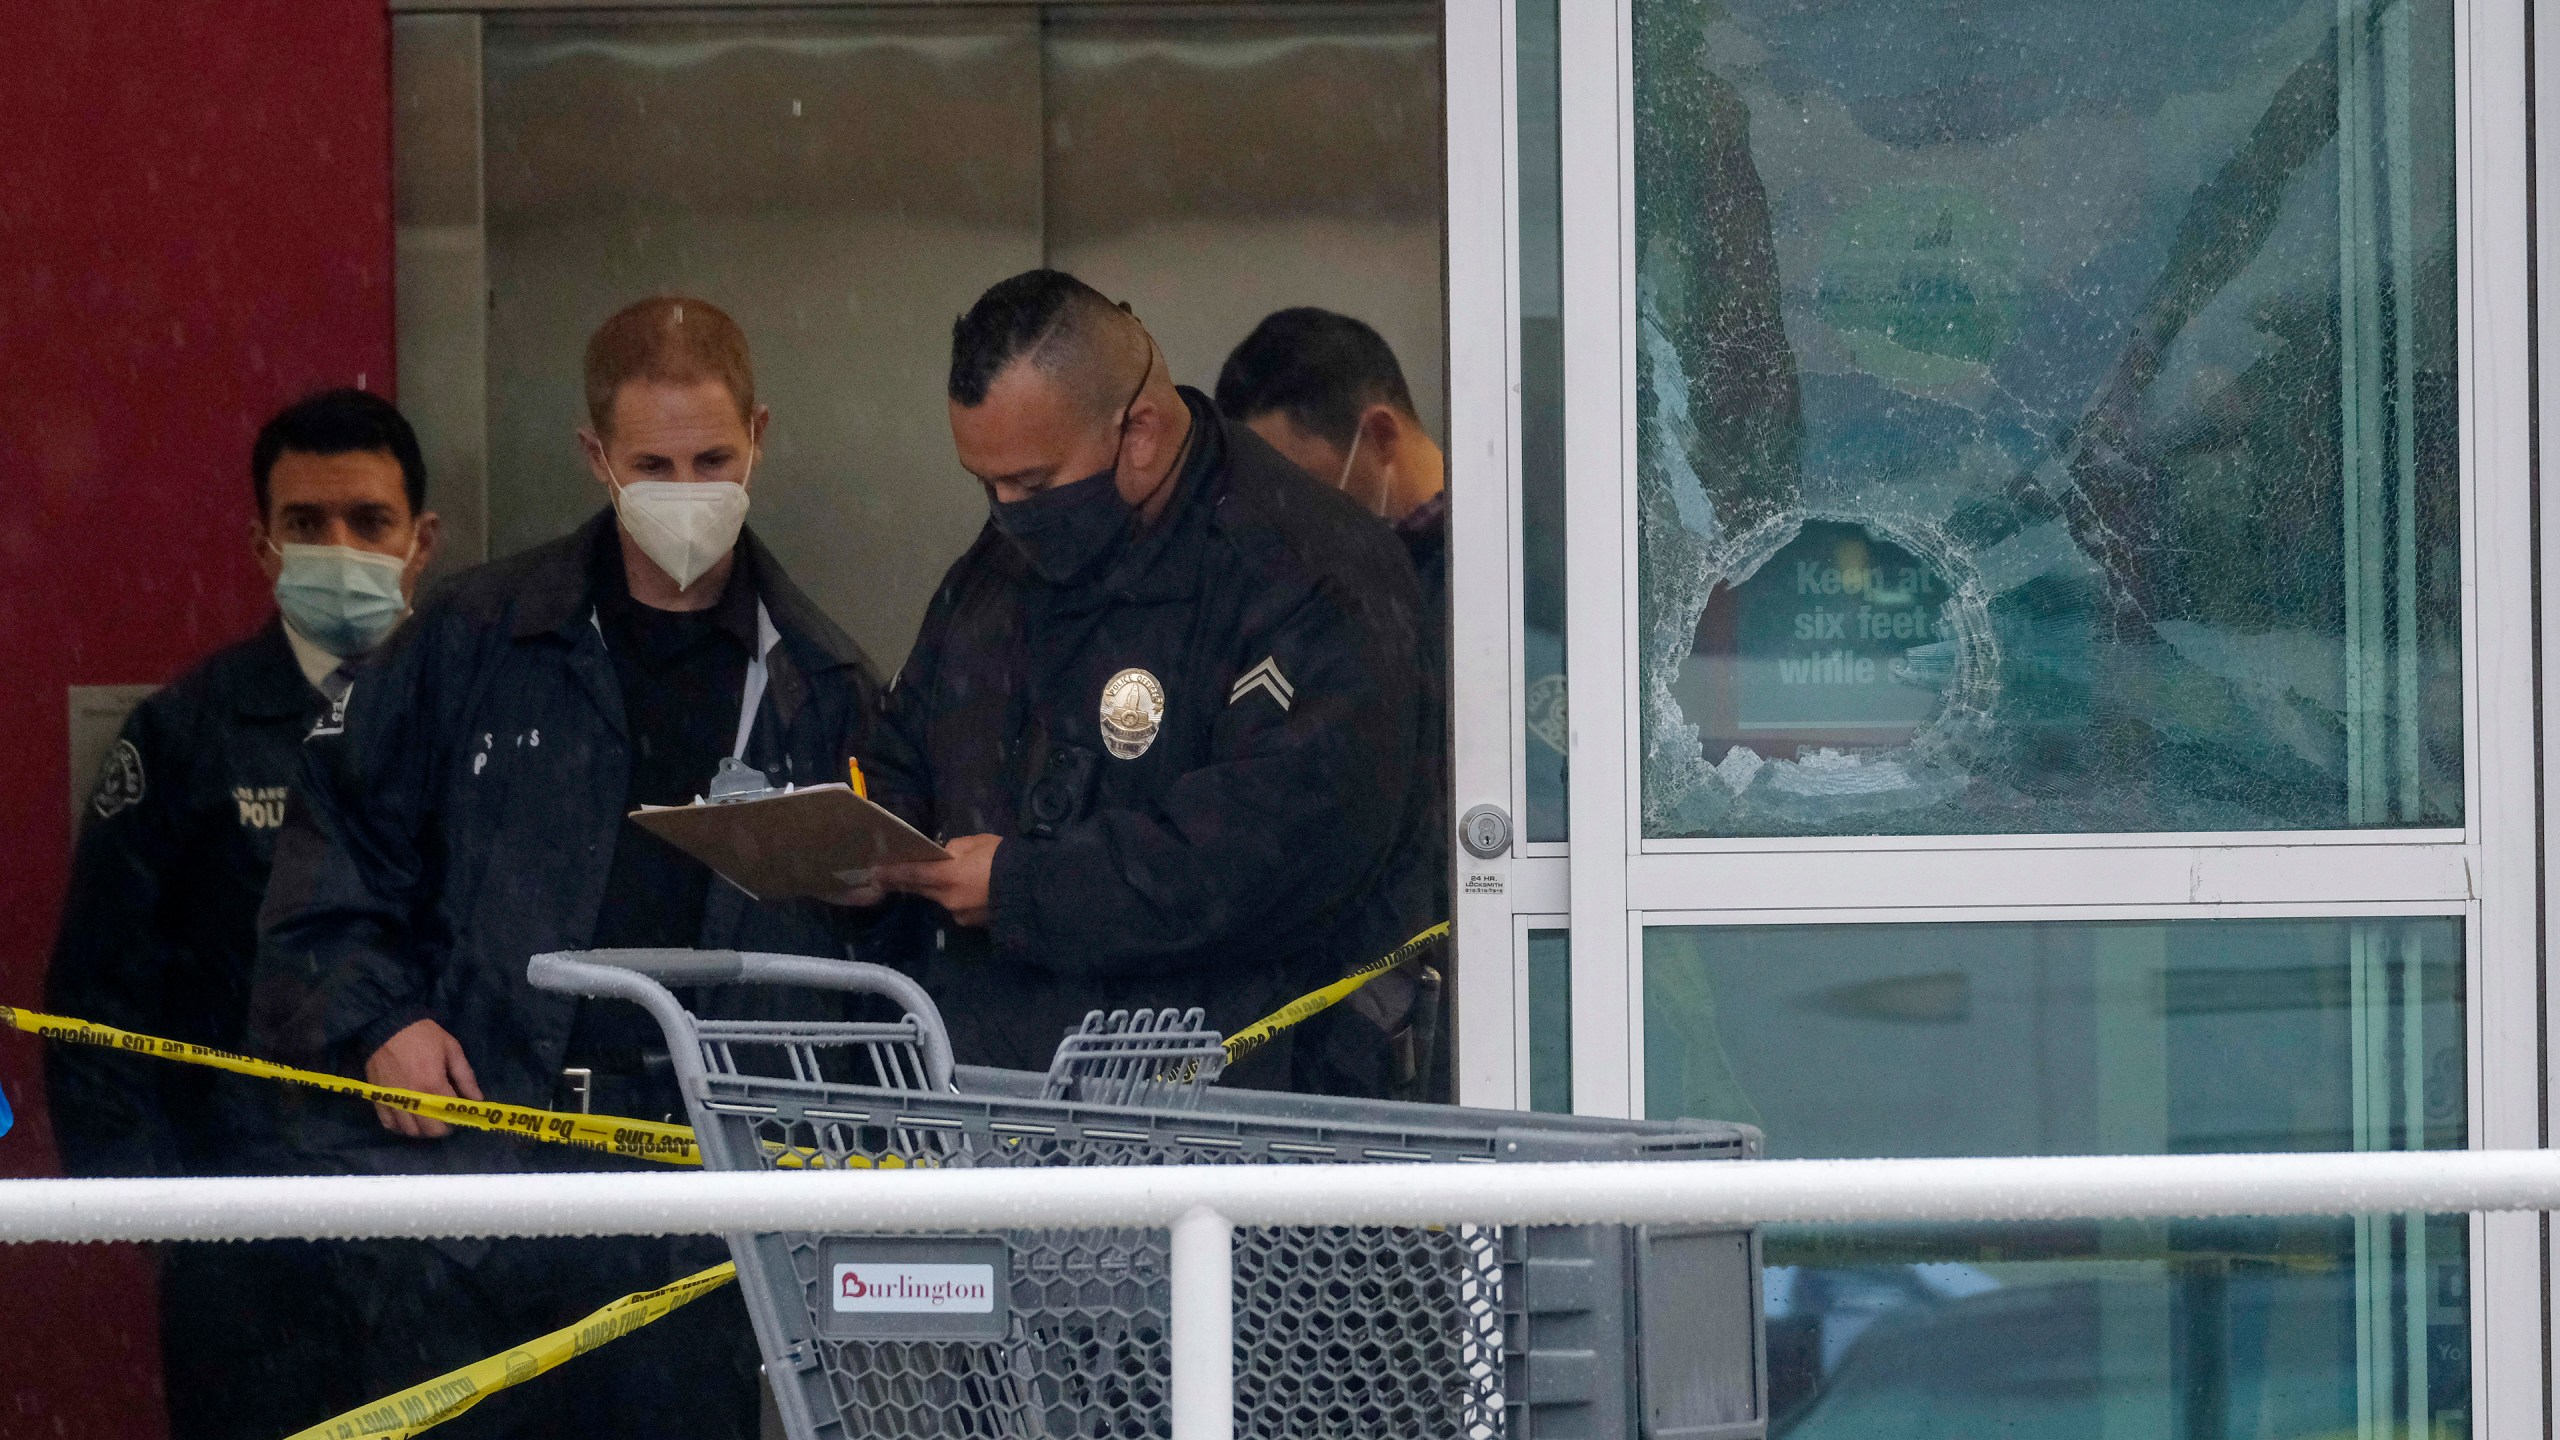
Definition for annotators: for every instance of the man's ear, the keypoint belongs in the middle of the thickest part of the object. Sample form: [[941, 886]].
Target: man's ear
[[756, 425], [1381, 433], [1151, 424], [429, 534], [270, 559], [591, 445]]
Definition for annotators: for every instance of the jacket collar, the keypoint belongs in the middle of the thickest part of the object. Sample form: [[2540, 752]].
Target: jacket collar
[[557, 590], [815, 641], [1164, 563], [271, 682], [557, 594], [807, 643], [736, 613]]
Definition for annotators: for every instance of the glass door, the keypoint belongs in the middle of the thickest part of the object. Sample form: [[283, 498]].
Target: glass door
[[2047, 605]]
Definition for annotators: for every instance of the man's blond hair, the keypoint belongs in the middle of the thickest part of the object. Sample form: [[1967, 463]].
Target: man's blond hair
[[668, 340]]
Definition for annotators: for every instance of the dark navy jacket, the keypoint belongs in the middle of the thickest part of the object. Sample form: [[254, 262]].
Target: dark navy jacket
[[159, 928], [1266, 838], [460, 817]]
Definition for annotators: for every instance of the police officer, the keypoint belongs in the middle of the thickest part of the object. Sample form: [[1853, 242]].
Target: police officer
[[1325, 390], [469, 812], [159, 931], [1164, 706]]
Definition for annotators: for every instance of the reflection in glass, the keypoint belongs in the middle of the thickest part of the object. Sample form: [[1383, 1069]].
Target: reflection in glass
[[2103, 356], [2090, 1038], [1541, 418], [1551, 1021]]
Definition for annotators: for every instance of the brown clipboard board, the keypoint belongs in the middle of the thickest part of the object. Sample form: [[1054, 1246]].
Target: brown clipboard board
[[789, 844]]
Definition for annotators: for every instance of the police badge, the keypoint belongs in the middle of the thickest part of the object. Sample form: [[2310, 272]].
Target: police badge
[[1132, 711]]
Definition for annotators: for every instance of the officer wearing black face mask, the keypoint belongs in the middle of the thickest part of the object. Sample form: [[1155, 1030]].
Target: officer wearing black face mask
[[1165, 709]]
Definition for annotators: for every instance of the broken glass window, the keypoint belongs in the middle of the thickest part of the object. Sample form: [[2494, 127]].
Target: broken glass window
[[2046, 416]]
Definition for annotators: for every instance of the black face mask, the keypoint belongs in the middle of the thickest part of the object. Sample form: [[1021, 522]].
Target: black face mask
[[1066, 531]]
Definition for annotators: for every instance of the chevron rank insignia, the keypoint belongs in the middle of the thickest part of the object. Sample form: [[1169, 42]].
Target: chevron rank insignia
[[1265, 677]]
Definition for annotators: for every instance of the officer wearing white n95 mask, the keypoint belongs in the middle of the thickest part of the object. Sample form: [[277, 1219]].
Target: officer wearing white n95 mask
[[470, 813], [159, 930]]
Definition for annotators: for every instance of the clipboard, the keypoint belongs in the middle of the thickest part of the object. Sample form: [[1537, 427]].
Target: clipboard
[[788, 844]]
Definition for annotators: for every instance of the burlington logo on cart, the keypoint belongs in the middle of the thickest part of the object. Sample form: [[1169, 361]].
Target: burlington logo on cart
[[916, 1287], [911, 1289]]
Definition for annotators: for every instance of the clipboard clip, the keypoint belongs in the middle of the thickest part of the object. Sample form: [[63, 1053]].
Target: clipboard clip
[[737, 780]]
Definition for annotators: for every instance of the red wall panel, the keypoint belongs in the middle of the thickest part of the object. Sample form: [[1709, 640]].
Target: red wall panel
[[195, 227]]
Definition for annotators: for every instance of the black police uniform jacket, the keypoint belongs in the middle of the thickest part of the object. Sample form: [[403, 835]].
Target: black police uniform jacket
[[160, 925], [458, 816], [1259, 841]]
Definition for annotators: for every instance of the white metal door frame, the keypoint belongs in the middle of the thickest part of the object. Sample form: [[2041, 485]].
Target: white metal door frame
[[1595, 60], [1488, 675], [1484, 482]]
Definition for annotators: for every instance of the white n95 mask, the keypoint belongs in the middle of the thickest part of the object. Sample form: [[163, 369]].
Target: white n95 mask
[[344, 600], [684, 525]]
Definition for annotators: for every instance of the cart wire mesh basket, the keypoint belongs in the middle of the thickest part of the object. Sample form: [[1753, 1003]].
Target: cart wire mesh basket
[[1463, 1332]]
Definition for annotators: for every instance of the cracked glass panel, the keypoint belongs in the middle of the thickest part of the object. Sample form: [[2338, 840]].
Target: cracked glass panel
[[2046, 417]]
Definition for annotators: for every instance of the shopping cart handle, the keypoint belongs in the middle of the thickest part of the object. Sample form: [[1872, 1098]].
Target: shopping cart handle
[[641, 976], [670, 967]]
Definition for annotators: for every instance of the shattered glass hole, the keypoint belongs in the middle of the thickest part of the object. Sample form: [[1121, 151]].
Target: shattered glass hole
[[1843, 639]]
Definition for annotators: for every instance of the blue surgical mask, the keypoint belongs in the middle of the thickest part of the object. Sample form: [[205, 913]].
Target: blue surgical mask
[[344, 600]]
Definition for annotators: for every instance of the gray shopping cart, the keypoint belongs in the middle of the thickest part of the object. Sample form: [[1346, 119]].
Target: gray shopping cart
[[1463, 1332]]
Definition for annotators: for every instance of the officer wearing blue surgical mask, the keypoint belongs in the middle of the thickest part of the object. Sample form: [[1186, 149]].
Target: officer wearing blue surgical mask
[[344, 540], [470, 811], [159, 931]]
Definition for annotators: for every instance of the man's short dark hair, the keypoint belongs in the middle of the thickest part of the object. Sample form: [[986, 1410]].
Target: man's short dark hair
[[1058, 322], [340, 422], [1318, 368]]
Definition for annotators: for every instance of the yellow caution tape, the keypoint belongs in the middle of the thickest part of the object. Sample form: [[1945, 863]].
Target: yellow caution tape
[[1254, 1036], [610, 1134], [613, 1135], [425, 1405]]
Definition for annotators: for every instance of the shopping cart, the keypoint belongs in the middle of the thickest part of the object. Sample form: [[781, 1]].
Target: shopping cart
[[1419, 1333]]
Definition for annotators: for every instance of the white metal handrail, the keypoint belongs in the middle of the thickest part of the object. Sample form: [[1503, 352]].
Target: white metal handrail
[[1201, 1205]]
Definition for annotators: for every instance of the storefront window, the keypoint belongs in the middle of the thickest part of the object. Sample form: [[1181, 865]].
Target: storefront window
[[2144, 1038], [2046, 417]]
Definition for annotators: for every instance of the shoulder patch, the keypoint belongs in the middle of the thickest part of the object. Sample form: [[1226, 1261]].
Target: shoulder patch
[[120, 782], [1265, 677]]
